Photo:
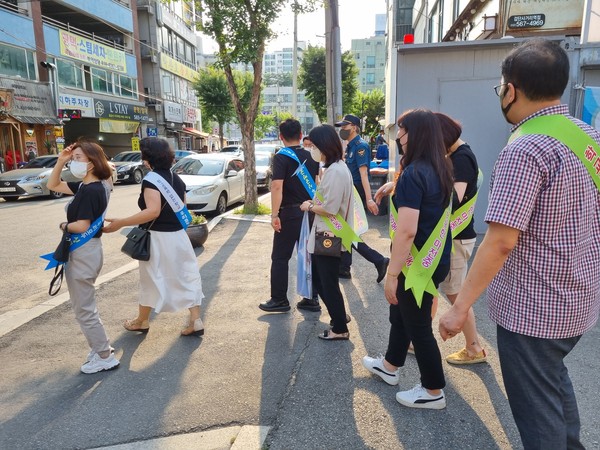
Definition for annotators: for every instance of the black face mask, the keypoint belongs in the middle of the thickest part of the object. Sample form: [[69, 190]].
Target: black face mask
[[399, 146]]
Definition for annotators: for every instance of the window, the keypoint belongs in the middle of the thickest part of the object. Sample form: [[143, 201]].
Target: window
[[17, 62], [370, 78], [101, 81], [127, 86], [69, 74], [370, 62]]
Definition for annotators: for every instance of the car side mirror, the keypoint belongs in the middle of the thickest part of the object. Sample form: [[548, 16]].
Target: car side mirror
[[232, 173]]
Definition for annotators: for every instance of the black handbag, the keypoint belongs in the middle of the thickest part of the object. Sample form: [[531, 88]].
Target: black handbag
[[137, 244], [61, 254], [327, 245]]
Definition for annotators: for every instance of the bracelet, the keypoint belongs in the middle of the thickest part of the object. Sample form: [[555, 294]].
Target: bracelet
[[394, 275], [311, 206]]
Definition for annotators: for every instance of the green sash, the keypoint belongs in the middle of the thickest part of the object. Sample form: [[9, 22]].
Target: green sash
[[567, 132], [419, 275], [463, 215], [338, 226]]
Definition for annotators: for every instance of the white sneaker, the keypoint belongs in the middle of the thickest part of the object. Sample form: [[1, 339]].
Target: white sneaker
[[98, 364], [376, 367], [92, 353], [418, 397]]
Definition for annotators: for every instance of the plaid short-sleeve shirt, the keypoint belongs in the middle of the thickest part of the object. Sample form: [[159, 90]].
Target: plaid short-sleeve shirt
[[549, 287]]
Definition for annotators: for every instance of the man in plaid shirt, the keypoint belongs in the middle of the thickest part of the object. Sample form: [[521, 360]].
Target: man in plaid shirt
[[540, 258]]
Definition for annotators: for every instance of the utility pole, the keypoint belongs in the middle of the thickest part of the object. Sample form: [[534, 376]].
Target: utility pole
[[295, 64], [333, 62]]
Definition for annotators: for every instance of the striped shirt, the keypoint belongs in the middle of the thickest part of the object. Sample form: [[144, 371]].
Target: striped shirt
[[549, 287]]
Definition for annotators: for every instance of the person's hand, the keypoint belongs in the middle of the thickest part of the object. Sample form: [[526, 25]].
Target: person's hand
[[372, 206], [305, 206], [113, 225], [66, 154], [384, 191], [451, 322], [276, 223], [391, 285]]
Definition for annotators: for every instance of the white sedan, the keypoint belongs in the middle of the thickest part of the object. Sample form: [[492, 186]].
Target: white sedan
[[213, 181]]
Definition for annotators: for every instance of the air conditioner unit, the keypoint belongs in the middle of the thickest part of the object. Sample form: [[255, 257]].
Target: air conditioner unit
[[154, 59], [150, 9], [158, 107]]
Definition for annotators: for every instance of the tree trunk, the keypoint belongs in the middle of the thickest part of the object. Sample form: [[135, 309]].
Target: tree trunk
[[220, 136]]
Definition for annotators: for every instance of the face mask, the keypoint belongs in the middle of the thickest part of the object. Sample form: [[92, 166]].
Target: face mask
[[399, 146], [506, 109], [344, 134], [79, 169], [315, 153]]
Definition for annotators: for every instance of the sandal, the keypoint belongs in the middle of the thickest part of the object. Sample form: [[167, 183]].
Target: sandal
[[195, 329], [137, 325], [329, 335]]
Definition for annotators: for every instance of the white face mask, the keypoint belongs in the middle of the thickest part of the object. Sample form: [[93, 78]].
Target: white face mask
[[315, 153], [79, 169]]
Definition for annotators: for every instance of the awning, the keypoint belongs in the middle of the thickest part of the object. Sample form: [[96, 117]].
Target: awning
[[40, 120], [195, 132], [118, 126]]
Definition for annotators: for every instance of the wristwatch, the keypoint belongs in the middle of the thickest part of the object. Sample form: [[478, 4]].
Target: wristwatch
[[311, 206]]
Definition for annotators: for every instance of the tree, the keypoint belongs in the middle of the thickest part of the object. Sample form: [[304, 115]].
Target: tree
[[241, 30], [372, 106], [214, 98], [312, 79]]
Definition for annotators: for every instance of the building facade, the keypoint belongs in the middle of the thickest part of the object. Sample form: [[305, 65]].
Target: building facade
[[67, 70], [370, 55]]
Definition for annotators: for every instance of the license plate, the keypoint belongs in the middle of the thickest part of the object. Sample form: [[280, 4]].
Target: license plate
[[8, 189]]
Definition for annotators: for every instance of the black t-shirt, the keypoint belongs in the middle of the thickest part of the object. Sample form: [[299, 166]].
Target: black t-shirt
[[284, 168], [465, 171], [418, 188], [89, 203], [167, 220]]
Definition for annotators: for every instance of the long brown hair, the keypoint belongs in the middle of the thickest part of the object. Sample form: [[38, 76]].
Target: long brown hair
[[426, 143], [96, 155]]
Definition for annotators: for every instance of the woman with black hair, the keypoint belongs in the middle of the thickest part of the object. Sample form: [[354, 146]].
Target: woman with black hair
[[420, 259], [170, 280], [334, 196]]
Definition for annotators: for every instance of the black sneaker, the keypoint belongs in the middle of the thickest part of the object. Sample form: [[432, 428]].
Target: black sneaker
[[382, 269], [345, 274], [274, 306], [309, 304]]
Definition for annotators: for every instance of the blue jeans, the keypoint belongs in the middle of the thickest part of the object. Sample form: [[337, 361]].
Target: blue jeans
[[539, 390]]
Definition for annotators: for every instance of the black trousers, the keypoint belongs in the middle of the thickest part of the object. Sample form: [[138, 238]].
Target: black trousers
[[325, 273], [373, 256], [411, 323]]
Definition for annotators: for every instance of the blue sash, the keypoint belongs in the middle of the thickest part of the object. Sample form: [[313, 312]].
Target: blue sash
[[77, 240], [176, 204], [301, 172]]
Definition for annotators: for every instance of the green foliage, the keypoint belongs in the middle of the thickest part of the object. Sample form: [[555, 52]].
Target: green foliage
[[278, 79], [213, 96], [263, 124], [311, 78], [259, 210], [198, 219], [372, 106]]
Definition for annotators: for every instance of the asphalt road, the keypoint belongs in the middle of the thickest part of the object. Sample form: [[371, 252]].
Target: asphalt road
[[252, 368]]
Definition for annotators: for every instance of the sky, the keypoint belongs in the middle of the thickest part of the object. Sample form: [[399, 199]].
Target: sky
[[357, 21]]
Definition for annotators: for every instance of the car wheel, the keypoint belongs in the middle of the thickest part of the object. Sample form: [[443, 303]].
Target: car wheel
[[10, 199], [55, 194], [138, 176], [268, 184], [221, 204]]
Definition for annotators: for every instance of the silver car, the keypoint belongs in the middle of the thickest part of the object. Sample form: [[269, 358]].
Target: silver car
[[32, 179]]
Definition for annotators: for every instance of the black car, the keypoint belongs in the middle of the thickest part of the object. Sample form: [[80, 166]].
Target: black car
[[130, 168]]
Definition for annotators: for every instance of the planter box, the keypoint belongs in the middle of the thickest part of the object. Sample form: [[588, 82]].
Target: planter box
[[197, 234]]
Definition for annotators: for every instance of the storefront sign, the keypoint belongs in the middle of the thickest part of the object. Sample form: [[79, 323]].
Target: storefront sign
[[544, 15], [591, 106], [30, 98], [6, 100], [173, 112], [84, 104], [91, 52], [190, 115], [172, 65], [135, 144], [118, 126], [152, 132], [118, 110]]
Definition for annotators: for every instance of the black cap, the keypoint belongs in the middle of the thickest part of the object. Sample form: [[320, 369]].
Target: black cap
[[348, 119]]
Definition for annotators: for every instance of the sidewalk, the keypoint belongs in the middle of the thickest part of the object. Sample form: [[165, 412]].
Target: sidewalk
[[252, 373]]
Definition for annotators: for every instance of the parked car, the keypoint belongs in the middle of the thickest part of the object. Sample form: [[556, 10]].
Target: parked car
[[264, 169], [32, 179], [271, 148], [213, 181], [233, 149], [130, 168], [182, 154]]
